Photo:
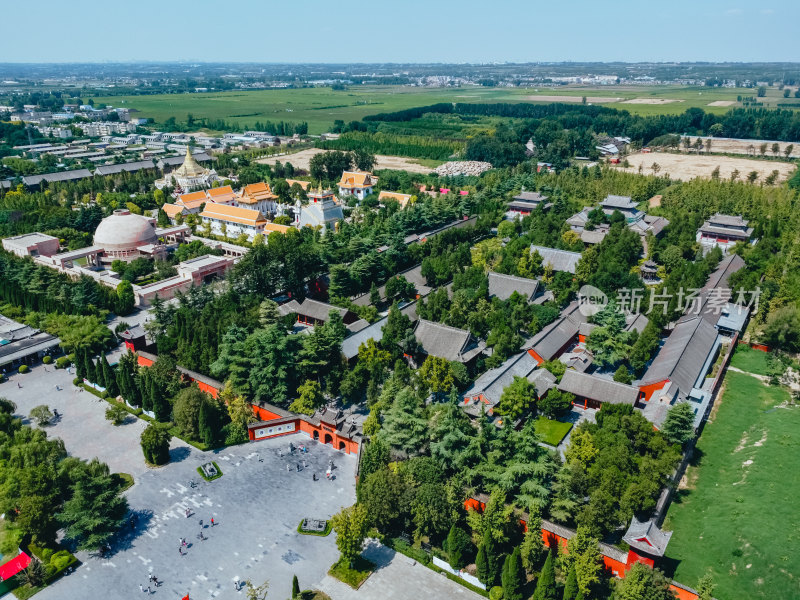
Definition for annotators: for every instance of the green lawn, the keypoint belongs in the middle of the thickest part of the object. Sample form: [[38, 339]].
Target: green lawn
[[320, 107], [739, 515], [355, 576], [551, 432], [750, 360]]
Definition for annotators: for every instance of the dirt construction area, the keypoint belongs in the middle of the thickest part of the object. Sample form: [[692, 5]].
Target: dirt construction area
[[688, 166], [301, 160], [751, 147]]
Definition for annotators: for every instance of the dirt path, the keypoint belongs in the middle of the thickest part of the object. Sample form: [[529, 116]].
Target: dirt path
[[302, 159]]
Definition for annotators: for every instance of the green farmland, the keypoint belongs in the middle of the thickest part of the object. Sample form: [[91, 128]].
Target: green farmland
[[320, 107], [737, 514]]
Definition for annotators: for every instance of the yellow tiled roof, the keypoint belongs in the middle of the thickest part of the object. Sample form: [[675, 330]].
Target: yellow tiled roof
[[221, 193], [356, 179], [303, 184], [233, 214], [192, 196], [401, 198], [270, 227], [172, 210], [256, 192]]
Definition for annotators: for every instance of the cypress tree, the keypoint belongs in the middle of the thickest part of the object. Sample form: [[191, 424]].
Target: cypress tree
[[91, 369], [295, 587], [146, 391], [80, 365], [546, 586], [492, 559], [513, 577], [571, 586], [482, 566]]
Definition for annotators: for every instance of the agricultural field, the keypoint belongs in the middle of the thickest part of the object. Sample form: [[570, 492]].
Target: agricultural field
[[302, 159], [320, 107], [735, 510], [688, 166]]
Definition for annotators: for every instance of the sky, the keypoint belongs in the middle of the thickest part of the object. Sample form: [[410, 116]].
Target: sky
[[401, 31]]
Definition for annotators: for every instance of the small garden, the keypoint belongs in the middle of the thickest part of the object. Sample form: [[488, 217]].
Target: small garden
[[551, 432]]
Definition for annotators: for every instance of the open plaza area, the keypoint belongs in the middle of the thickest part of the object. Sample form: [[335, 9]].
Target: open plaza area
[[257, 505]]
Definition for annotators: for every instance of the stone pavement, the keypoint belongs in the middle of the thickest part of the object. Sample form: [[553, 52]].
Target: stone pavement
[[397, 577], [82, 425], [257, 503]]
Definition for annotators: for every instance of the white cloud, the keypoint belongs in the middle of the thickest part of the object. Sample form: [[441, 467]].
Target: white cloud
[[734, 11], [767, 11]]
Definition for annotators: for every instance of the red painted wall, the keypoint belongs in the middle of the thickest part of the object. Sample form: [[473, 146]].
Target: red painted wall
[[144, 362], [535, 356], [264, 415], [648, 390], [208, 389]]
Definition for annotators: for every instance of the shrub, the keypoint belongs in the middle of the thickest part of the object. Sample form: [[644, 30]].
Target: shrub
[[116, 414], [496, 593], [155, 444], [61, 560], [62, 362], [47, 359], [41, 414], [24, 369], [77, 381]]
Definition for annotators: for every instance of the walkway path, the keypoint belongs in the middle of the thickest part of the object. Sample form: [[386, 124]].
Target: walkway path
[[397, 577]]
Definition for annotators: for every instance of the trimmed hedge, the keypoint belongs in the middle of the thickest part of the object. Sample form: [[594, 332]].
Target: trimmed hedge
[[62, 362], [217, 476], [47, 359], [326, 532], [24, 368]]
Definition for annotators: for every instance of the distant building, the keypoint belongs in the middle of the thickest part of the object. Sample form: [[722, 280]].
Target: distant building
[[23, 345], [189, 176], [525, 203], [303, 184], [222, 195], [402, 199], [723, 231], [32, 244], [503, 286], [322, 210], [356, 183], [126, 236], [258, 196], [233, 221], [558, 260], [592, 391], [450, 343], [487, 390]]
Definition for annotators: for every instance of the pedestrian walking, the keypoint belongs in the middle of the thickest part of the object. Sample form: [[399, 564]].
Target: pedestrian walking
[[141, 588], [280, 453], [236, 583], [314, 477], [18, 385], [287, 467], [298, 467], [304, 463], [212, 521], [201, 523]]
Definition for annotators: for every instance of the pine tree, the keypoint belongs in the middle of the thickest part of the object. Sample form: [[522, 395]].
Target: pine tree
[[295, 587], [458, 547], [160, 404], [546, 586], [109, 379], [513, 576], [571, 586]]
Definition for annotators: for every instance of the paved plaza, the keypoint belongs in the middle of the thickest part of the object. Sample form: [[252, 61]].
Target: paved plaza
[[257, 504], [397, 577]]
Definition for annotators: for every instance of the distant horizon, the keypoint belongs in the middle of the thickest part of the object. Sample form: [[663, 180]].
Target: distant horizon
[[419, 32], [405, 62]]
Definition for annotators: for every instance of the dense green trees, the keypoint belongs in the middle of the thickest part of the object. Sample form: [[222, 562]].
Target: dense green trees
[[96, 509], [678, 427], [350, 525], [155, 444], [42, 488]]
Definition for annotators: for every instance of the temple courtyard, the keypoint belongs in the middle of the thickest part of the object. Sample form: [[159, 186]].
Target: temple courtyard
[[257, 503]]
